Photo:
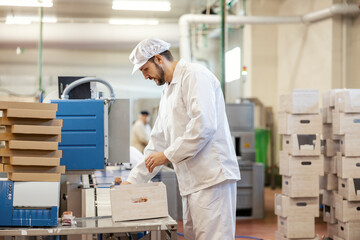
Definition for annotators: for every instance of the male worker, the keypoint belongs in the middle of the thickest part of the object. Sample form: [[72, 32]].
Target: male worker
[[192, 132], [140, 132]]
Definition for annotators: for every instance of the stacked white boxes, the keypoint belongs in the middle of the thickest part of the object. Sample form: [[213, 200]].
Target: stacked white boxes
[[331, 143], [346, 127], [301, 164]]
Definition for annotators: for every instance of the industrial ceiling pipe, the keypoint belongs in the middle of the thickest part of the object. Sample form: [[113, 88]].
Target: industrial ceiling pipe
[[65, 94], [187, 19]]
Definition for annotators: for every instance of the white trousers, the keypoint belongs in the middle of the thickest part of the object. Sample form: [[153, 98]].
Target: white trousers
[[210, 214]]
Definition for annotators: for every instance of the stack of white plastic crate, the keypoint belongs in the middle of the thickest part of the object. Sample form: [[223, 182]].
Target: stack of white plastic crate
[[346, 125], [301, 164]]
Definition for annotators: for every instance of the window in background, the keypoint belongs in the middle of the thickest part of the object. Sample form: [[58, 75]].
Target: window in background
[[232, 64]]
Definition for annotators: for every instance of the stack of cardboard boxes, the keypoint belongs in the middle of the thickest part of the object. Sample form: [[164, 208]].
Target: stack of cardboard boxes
[[30, 134], [346, 200], [301, 164], [331, 144]]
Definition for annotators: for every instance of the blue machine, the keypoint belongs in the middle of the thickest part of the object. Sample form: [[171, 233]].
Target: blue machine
[[23, 215], [82, 133]]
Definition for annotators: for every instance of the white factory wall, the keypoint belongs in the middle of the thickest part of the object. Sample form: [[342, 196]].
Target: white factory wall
[[354, 51]]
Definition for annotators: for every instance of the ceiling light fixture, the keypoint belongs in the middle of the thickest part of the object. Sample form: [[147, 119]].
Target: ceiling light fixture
[[28, 20], [141, 5], [26, 3], [133, 21]]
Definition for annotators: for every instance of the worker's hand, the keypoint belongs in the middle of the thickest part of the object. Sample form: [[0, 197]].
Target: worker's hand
[[125, 183], [154, 160]]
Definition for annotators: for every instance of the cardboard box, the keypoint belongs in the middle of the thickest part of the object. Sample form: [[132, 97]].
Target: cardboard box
[[329, 198], [138, 201], [302, 145], [332, 229], [349, 230], [286, 206], [349, 145], [345, 210], [349, 188], [300, 102], [329, 214], [348, 101], [33, 145], [346, 123], [297, 226], [28, 105], [330, 165], [34, 177], [331, 182], [27, 113], [34, 169], [29, 137], [34, 129], [331, 147], [326, 113], [279, 236], [329, 97], [299, 124], [300, 186], [30, 153], [25, 121], [298, 165], [327, 131], [32, 161], [348, 167]]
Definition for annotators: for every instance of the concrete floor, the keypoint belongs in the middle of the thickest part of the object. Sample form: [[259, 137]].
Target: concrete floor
[[264, 228]]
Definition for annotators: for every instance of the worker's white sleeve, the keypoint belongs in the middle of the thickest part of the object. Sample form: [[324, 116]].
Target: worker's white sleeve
[[198, 93], [140, 174]]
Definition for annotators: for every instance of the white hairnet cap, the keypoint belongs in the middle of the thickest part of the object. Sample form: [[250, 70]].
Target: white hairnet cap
[[145, 50]]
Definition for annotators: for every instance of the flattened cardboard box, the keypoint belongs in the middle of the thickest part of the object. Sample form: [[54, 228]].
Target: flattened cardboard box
[[138, 201]]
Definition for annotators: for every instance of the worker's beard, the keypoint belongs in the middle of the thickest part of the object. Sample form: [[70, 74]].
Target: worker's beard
[[161, 74]]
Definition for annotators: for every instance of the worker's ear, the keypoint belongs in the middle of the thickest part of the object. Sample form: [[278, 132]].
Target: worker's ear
[[158, 59]]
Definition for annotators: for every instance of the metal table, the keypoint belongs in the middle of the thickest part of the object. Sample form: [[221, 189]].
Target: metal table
[[98, 225]]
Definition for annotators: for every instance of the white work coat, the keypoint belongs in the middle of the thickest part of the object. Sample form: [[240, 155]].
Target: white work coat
[[193, 132]]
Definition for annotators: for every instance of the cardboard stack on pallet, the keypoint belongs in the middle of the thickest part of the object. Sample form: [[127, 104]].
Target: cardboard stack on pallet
[[301, 164], [331, 144], [31, 134], [346, 127]]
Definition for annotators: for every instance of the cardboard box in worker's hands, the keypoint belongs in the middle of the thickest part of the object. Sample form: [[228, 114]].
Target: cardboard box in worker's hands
[[138, 201]]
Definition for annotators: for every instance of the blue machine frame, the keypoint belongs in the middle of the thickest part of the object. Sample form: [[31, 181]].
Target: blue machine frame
[[39, 217], [82, 133]]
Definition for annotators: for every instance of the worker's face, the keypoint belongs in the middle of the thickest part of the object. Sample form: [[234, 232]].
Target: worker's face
[[144, 118], [153, 71]]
